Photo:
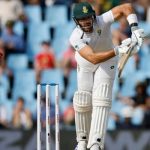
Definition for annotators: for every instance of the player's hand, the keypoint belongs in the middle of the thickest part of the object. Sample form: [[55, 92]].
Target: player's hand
[[137, 36], [124, 47]]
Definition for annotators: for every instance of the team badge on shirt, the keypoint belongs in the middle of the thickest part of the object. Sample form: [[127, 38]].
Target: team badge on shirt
[[99, 31], [85, 10]]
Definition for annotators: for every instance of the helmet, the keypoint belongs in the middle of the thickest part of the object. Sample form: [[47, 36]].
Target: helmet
[[82, 10]]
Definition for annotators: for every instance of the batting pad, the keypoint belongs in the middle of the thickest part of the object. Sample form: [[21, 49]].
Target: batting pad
[[82, 102], [100, 114]]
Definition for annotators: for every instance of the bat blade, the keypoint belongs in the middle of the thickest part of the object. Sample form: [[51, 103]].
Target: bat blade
[[125, 57], [122, 63]]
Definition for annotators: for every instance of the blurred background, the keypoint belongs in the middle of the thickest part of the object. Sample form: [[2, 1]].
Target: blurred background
[[34, 40]]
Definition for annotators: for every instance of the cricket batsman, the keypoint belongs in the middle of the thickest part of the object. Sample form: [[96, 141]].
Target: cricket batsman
[[96, 66]]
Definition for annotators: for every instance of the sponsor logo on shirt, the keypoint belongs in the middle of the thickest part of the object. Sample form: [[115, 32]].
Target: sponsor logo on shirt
[[112, 67], [76, 47]]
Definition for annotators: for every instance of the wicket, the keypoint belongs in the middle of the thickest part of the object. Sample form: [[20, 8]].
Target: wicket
[[48, 133]]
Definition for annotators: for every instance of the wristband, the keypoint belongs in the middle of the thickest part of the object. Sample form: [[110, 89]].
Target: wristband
[[132, 19], [134, 25]]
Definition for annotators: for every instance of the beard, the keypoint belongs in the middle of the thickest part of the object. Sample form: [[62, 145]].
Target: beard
[[87, 29], [88, 26]]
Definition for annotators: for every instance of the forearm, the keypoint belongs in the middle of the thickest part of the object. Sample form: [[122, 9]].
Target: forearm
[[123, 10], [103, 56], [99, 57], [127, 11]]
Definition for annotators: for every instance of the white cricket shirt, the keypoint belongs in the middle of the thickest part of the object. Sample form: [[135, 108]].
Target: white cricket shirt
[[100, 39]]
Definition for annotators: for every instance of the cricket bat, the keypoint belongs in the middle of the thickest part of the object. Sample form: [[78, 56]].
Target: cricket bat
[[123, 60]]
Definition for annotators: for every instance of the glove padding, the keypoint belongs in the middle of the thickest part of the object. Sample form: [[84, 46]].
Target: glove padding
[[124, 47], [137, 36]]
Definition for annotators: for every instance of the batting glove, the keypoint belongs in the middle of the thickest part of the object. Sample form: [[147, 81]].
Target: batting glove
[[137, 36], [123, 48]]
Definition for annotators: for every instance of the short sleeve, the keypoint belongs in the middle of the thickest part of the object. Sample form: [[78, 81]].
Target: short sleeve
[[76, 39], [107, 17]]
